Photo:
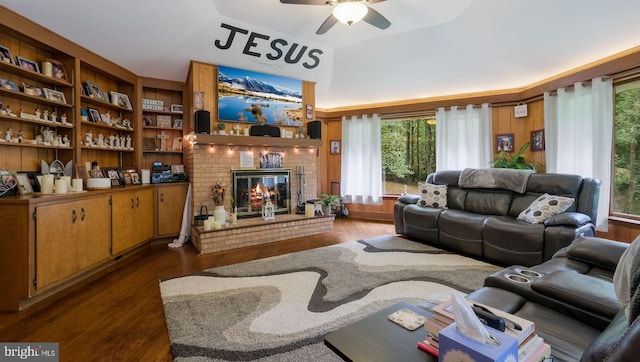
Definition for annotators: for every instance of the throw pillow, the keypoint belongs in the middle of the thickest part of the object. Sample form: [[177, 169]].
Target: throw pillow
[[432, 195], [545, 207]]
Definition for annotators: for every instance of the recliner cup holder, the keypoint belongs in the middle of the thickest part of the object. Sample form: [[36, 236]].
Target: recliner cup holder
[[518, 278], [529, 273]]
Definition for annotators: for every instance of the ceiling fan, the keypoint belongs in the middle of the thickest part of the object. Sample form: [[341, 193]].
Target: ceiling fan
[[346, 11]]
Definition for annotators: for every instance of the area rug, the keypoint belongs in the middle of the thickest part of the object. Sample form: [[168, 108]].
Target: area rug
[[280, 308]]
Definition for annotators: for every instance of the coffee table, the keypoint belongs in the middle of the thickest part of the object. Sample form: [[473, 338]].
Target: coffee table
[[376, 338]]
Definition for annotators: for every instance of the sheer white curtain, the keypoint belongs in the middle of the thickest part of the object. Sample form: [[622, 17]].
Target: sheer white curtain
[[463, 138], [579, 131], [361, 160]]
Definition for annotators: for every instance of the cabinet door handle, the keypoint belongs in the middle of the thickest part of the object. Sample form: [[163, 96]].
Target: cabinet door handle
[[82, 213], [138, 199], [161, 197], [74, 216], [132, 203]]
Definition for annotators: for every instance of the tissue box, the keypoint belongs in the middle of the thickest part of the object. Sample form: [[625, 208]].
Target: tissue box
[[456, 347]]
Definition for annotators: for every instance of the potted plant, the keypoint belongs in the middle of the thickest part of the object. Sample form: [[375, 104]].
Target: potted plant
[[221, 127], [328, 201], [518, 161]]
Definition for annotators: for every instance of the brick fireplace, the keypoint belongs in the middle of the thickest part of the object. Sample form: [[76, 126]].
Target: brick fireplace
[[206, 164], [212, 158]]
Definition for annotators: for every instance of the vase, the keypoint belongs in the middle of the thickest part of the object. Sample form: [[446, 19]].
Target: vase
[[220, 214]]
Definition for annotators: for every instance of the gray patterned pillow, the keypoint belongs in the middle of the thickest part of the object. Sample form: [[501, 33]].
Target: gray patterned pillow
[[544, 207], [432, 195]]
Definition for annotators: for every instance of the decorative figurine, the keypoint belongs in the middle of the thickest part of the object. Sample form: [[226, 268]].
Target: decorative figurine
[[111, 140], [63, 118], [2, 139], [20, 136], [46, 115], [129, 142], [117, 143], [8, 135], [89, 139], [100, 140], [37, 113], [65, 140]]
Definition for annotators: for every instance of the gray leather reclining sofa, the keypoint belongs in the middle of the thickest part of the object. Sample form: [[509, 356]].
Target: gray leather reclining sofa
[[482, 222]]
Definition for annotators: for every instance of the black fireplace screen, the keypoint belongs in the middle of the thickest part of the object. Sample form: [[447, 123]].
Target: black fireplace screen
[[254, 188]]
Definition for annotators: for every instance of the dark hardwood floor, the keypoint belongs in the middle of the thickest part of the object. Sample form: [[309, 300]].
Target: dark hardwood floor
[[119, 316]]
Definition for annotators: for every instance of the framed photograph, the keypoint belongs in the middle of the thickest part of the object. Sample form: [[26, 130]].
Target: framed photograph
[[309, 111], [58, 69], [126, 176], [163, 121], [94, 115], [120, 99], [24, 185], [32, 90], [9, 84], [8, 184], [5, 55], [113, 175], [27, 64], [176, 108], [177, 123], [537, 140], [135, 178], [177, 144], [54, 95], [93, 90], [335, 147], [504, 142]]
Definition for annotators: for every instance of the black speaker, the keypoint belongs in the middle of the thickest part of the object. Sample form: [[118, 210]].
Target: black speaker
[[264, 130], [203, 121], [314, 130]]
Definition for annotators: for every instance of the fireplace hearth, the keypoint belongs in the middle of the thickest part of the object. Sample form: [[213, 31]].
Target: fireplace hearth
[[253, 188]]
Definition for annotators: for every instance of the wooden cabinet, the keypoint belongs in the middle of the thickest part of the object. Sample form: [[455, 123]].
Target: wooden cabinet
[[162, 121], [132, 215], [70, 238], [170, 199]]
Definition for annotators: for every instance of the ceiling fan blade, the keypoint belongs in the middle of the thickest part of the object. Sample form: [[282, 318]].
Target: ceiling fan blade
[[304, 2], [376, 19], [328, 24]]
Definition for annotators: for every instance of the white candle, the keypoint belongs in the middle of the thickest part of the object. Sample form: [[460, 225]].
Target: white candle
[[61, 187], [309, 210], [207, 225], [47, 69], [217, 225], [77, 184], [47, 184]]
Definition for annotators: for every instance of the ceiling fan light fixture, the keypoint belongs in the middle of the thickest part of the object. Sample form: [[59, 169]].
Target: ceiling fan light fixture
[[350, 12]]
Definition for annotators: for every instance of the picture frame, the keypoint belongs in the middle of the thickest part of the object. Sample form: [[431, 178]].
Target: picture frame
[[54, 95], [176, 108], [94, 115], [113, 175], [9, 84], [32, 90], [537, 140], [177, 123], [8, 184], [93, 90], [334, 148], [5, 55], [176, 145], [27, 64], [163, 121], [309, 111], [135, 178], [504, 142], [58, 69], [120, 99], [24, 185]]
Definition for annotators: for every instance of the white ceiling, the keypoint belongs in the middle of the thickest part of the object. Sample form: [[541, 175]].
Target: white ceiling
[[432, 48]]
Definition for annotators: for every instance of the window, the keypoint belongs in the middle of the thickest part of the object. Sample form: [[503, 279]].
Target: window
[[626, 173], [408, 153]]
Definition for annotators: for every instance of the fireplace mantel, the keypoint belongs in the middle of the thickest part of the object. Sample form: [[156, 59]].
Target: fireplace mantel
[[208, 139]]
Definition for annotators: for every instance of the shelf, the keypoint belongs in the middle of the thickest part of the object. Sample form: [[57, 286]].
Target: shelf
[[158, 151], [14, 69], [30, 98], [162, 128], [105, 126], [162, 112], [34, 121], [107, 149], [101, 103], [30, 145], [207, 139]]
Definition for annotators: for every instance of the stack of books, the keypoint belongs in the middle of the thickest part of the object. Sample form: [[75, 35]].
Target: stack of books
[[531, 347]]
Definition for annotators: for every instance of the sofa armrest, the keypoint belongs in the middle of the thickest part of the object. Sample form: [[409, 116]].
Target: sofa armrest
[[601, 348], [575, 219], [601, 252], [591, 295], [409, 199]]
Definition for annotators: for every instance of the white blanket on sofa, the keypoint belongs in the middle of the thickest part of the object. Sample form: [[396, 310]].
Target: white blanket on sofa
[[495, 178]]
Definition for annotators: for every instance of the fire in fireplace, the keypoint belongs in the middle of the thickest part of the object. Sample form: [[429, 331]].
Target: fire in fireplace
[[252, 189]]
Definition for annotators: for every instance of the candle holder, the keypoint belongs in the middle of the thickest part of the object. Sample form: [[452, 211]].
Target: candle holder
[[268, 211]]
